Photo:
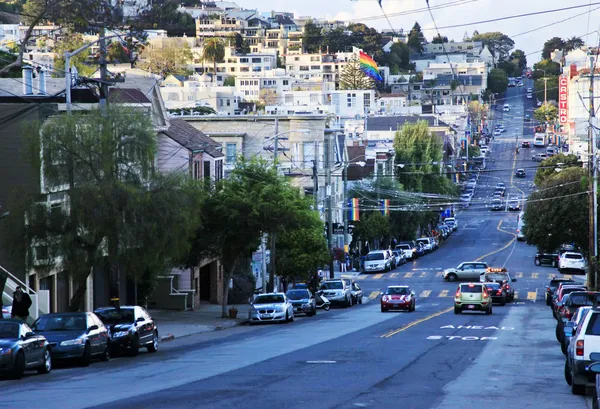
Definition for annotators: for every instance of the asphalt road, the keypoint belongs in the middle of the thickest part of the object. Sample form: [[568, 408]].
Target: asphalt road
[[360, 357]]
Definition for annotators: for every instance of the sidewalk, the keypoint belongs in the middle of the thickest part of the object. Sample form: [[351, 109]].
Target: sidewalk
[[206, 318]]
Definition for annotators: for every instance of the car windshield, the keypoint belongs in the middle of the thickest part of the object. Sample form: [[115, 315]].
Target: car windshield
[[9, 330], [396, 253], [114, 316], [566, 291], [332, 285], [403, 246], [269, 299], [574, 256], [61, 322], [374, 256], [397, 291], [497, 277], [584, 299], [297, 294], [471, 288], [424, 241]]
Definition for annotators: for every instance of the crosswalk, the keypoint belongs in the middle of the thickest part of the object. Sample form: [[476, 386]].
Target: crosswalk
[[425, 274], [528, 295]]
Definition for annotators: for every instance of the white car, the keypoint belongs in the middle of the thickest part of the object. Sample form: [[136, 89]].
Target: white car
[[584, 343], [484, 151], [506, 108], [497, 132], [529, 96], [378, 260], [465, 271], [271, 307], [6, 311], [452, 222], [529, 90], [572, 261]]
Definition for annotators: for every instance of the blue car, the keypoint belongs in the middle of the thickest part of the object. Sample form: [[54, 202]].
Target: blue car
[[77, 336]]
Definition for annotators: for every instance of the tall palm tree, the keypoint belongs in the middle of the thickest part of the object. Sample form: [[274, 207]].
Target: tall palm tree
[[214, 50]]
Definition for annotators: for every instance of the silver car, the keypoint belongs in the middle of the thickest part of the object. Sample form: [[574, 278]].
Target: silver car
[[337, 292], [271, 307], [378, 260]]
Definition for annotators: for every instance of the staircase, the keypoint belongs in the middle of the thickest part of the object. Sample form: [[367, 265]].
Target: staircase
[[40, 300], [167, 297]]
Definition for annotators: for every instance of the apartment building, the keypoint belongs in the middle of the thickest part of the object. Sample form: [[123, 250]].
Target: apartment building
[[468, 47], [236, 65], [318, 67]]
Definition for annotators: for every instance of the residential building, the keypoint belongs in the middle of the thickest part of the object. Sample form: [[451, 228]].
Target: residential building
[[413, 91], [323, 24], [266, 86], [399, 38], [208, 8], [235, 65], [473, 48], [16, 32], [131, 8], [453, 84], [318, 67], [392, 104]]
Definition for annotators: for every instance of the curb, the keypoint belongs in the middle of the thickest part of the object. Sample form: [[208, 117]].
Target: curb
[[171, 337]]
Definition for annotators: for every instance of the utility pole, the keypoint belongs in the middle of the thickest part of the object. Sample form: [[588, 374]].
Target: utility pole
[[592, 186], [345, 208], [273, 235], [315, 184], [329, 194], [546, 90], [263, 250]]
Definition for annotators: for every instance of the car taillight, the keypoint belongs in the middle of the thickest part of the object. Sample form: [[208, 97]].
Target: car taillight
[[507, 287], [457, 293], [499, 292], [579, 348]]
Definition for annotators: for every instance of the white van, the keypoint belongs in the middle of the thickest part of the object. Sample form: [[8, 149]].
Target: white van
[[520, 226], [378, 260], [539, 140], [506, 108]]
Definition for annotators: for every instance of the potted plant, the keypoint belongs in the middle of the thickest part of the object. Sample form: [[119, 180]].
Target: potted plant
[[233, 312]]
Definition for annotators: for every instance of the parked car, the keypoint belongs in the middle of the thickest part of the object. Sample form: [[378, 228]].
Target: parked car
[[561, 292], [398, 297], [378, 260], [22, 350], [420, 249], [409, 248], [399, 257], [6, 312], [428, 244], [584, 342], [546, 259], [303, 301], [497, 292], [553, 285], [452, 223], [472, 297], [573, 324], [539, 157], [271, 307], [465, 271], [337, 292], [572, 262], [74, 335], [130, 328], [570, 303], [357, 293]]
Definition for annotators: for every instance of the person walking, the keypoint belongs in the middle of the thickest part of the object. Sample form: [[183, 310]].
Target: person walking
[[343, 265], [21, 304]]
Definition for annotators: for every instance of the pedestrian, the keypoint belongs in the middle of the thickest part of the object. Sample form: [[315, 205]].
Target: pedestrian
[[21, 304], [343, 265]]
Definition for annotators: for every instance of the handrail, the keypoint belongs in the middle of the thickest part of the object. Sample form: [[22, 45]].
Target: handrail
[[19, 282]]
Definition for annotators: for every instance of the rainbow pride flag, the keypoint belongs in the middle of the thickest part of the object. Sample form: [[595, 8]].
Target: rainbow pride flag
[[353, 212], [385, 207], [369, 67]]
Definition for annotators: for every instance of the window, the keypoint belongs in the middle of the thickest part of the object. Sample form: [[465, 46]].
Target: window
[[315, 67], [218, 170], [367, 100], [257, 60], [41, 253], [243, 60], [231, 152], [196, 170], [304, 68], [470, 288], [285, 82], [206, 172], [308, 151], [351, 99]]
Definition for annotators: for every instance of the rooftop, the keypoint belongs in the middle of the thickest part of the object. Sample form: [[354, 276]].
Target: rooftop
[[192, 139], [385, 123]]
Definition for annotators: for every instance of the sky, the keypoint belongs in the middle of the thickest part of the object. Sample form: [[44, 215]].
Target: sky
[[460, 12]]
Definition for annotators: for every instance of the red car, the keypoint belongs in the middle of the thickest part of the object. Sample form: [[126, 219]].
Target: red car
[[398, 297]]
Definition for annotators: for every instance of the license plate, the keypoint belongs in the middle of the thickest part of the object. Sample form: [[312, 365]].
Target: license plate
[[470, 307], [265, 315], [395, 305]]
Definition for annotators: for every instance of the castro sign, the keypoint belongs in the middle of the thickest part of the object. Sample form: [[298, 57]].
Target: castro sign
[[563, 83]]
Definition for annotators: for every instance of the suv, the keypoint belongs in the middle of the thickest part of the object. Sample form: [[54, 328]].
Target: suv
[[561, 292], [452, 223], [409, 248], [500, 275], [337, 292], [570, 303], [465, 271], [571, 261], [473, 297], [378, 260], [584, 341]]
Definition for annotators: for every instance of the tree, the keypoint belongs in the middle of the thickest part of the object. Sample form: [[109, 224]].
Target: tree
[[229, 81], [398, 59], [353, 77], [549, 90], [439, 39], [497, 81], [545, 68], [165, 15], [498, 43], [336, 40], [107, 160], [312, 38], [117, 53], [549, 166], [366, 38], [416, 39], [558, 212], [573, 43], [171, 59], [214, 50], [519, 58], [373, 228], [546, 112], [555, 43], [239, 43], [81, 60]]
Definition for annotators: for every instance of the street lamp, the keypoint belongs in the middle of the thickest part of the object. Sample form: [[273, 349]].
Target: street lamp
[[344, 209]]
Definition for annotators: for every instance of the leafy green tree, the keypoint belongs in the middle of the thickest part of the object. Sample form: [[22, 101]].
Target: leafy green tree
[[555, 43], [558, 212], [312, 38], [336, 40], [172, 58], [416, 39], [117, 53], [165, 15], [497, 81], [366, 38], [238, 42], [573, 43], [498, 43], [549, 166], [548, 66], [439, 39], [509, 68], [229, 81], [398, 59], [81, 60], [549, 90], [353, 77], [213, 50], [107, 160], [372, 228], [519, 58], [546, 112]]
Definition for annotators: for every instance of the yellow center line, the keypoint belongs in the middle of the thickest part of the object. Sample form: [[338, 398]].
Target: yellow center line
[[408, 275], [425, 293], [502, 248], [377, 276], [393, 275], [374, 295], [412, 324], [532, 295]]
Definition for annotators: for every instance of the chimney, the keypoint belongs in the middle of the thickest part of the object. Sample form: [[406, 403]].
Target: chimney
[[27, 80], [572, 70], [42, 81]]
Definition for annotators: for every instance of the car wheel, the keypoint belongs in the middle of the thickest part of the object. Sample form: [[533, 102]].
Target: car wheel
[[348, 302], [557, 333], [503, 302], [383, 309], [314, 310], [153, 347], [86, 358], [452, 277], [413, 308], [19, 367], [457, 310], [135, 346], [46, 366], [105, 357], [548, 301], [537, 262], [563, 348], [360, 301], [568, 376], [326, 307]]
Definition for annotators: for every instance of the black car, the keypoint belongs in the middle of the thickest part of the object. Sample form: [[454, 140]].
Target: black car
[[74, 335], [550, 259], [500, 190], [303, 301], [130, 328], [520, 173], [497, 292], [525, 144], [553, 286], [21, 350]]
